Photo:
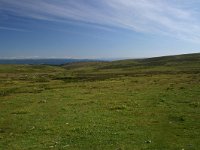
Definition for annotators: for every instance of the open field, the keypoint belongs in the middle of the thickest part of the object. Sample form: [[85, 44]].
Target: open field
[[147, 104]]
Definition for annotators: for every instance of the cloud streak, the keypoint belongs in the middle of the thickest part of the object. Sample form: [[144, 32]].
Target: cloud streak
[[175, 18], [13, 29]]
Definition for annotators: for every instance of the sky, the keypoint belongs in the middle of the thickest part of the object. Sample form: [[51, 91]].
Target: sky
[[98, 28]]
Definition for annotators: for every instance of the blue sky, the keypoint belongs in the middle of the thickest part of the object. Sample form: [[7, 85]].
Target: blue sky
[[98, 29]]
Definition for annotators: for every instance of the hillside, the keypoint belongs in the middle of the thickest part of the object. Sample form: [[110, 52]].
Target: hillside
[[188, 63], [178, 60], [128, 104]]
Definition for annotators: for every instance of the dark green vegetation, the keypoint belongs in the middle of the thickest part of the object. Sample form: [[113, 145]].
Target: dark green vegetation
[[132, 104]]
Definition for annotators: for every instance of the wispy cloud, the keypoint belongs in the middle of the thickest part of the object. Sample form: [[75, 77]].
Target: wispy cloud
[[176, 18], [12, 29]]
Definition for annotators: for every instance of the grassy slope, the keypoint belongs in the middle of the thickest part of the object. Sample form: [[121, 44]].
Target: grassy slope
[[132, 104]]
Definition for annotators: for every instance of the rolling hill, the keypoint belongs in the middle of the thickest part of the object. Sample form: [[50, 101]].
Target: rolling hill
[[128, 104]]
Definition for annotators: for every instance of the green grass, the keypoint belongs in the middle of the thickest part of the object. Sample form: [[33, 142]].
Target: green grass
[[133, 104]]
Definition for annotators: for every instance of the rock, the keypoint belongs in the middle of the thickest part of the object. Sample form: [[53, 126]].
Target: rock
[[65, 146], [148, 141], [32, 128], [43, 101]]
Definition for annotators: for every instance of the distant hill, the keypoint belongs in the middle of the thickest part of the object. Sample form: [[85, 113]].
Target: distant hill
[[177, 60], [103, 64], [41, 61]]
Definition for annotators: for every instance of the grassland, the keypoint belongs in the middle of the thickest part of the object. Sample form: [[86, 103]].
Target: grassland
[[144, 104]]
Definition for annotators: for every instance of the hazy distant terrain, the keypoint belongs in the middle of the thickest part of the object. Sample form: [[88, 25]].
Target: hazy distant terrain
[[129, 104], [42, 61]]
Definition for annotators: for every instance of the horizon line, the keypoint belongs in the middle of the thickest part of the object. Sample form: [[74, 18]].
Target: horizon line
[[97, 58]]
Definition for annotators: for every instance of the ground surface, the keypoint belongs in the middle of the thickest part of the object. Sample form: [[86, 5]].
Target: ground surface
[[133, 104]]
